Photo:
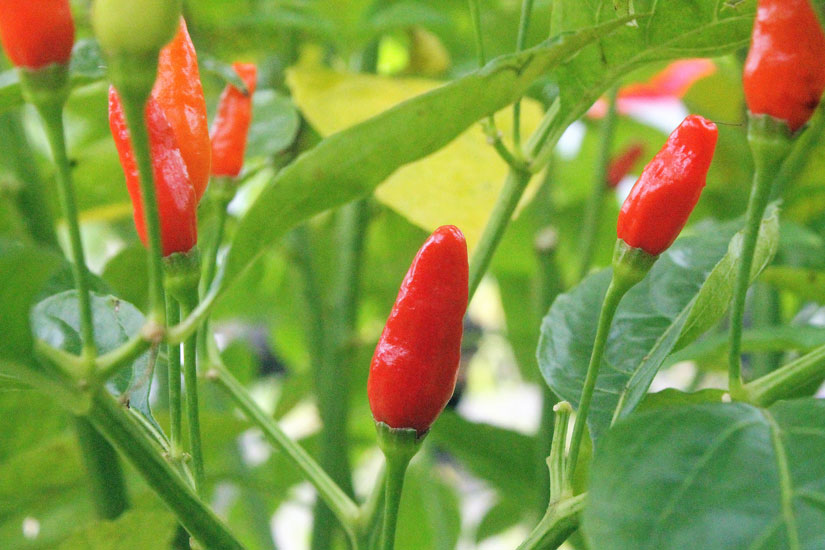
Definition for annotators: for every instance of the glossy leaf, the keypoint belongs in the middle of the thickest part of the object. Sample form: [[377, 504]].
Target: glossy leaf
[[687, 292], [56, 321], [735, 478], [353, 162]]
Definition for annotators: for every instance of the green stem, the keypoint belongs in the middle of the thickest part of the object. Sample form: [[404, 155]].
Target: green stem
[[16, 154], [800, 154], [108, 364], [509, 198], [394, 484], [190, 379], [341, 505], [222, 196], [560, 521], [371, 514], [125, 434], [593, 210], [475, 15], [769, 143], [524, 24], [783, 382], [556, 462], [103, 468], [615, 292], [51, 112], [173, 370], [134, 76]]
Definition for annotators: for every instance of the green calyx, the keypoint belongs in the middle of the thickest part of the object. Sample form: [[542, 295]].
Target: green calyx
[[770, 140], [630, 265], [182, 275], [135, 27], [398, 443], [46, 86]]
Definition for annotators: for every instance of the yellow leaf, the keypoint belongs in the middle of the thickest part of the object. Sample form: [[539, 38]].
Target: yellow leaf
[[457, 185]]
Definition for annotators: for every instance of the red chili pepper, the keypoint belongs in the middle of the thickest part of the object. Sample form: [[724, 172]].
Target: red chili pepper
[[785, 71], [231, 124], [664, 196], [36, 33], [177, 204], [414, 368], [179, 93], [621, 164]]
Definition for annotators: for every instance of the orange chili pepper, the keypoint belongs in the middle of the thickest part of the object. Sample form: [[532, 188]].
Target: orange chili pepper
[[179, 94], [231, 126]]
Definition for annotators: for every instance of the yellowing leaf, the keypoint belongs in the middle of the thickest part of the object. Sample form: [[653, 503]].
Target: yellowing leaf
[[458, 184]]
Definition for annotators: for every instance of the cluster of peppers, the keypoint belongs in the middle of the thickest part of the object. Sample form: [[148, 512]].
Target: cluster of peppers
[[414, 368]]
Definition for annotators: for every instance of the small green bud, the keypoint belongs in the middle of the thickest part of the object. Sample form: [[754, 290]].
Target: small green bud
[[135, 26]]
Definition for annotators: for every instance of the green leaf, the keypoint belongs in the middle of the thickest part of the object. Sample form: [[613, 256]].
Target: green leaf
[[428, 516], [716, 476], [483, 449], [686, 293], [689, 28], [808, 284], [275, 124], [134, 530], [353, 162], [56, 320], [23, 271]]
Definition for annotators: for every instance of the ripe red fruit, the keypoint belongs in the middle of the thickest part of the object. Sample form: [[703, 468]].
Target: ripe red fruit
[[414, 368], [177, 203], [231, 126], [662, 199], [785, 71], [36, 33]]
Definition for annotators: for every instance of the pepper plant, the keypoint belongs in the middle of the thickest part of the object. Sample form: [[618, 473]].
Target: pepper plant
[[192, 346]]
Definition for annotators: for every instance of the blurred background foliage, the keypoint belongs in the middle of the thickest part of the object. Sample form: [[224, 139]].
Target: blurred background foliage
[[479, 474]]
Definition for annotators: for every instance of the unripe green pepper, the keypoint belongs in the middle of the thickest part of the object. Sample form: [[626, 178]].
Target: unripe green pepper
[[135, 26]]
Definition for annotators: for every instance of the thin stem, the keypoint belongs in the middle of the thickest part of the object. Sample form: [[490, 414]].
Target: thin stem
[[593, 210], [108, 364], [190, 378], [52, 115], [769, 142], [32, 201], [394, 483], [222, 198], [560, 521], [371, 513], [524, 24], [133, 108], [781, 383], [188, 326], [341, 505], [103, 468], [475, 15], [509, 198], [173, 370], [556, 461], [127, 436], [615, 292]]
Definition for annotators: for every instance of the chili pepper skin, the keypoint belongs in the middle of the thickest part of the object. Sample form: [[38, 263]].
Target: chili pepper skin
[[414, 368], [179, 94], [621, 164], [36, 33], [231, 126], [177, 204], [664, 196], [785, 73]]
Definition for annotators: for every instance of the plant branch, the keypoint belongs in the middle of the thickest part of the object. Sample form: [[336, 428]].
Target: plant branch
[[781, 383], [560, 521], [342, 506], [122, 431]]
